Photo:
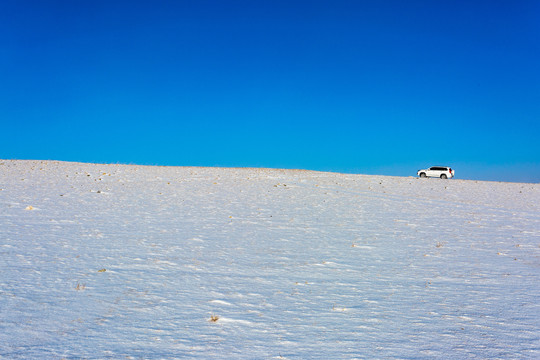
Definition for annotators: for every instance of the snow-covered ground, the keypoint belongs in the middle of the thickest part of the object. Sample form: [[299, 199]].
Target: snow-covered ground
[[116, 261]]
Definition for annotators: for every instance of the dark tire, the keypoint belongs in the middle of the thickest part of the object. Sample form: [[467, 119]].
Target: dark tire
[[443, 176], [422, 175]]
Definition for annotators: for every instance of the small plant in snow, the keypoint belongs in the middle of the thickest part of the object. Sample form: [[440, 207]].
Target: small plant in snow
[[80, 286], [214, 318]]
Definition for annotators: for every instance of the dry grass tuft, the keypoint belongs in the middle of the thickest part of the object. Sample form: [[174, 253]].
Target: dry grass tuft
[[214, 318], [80, 286]]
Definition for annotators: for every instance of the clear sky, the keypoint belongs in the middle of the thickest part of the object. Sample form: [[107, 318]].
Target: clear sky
[[373, 87]]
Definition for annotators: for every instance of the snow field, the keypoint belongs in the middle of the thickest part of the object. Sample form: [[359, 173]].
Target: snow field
[[117, 261]]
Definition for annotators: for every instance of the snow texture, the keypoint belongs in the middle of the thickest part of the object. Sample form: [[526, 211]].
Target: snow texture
[[147, 262]]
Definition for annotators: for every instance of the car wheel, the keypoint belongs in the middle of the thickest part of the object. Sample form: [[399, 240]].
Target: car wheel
[[422, 175], [443, 176]]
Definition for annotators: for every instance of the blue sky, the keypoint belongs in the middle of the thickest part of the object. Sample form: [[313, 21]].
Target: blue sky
[[373, 87]]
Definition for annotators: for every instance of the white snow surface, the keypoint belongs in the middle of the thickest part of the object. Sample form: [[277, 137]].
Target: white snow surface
[[133, 262]]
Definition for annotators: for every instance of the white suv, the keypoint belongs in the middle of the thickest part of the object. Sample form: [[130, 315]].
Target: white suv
[[444, 172]]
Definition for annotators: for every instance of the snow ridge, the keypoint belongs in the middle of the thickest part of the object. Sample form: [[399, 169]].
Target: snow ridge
[[122, 261]]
